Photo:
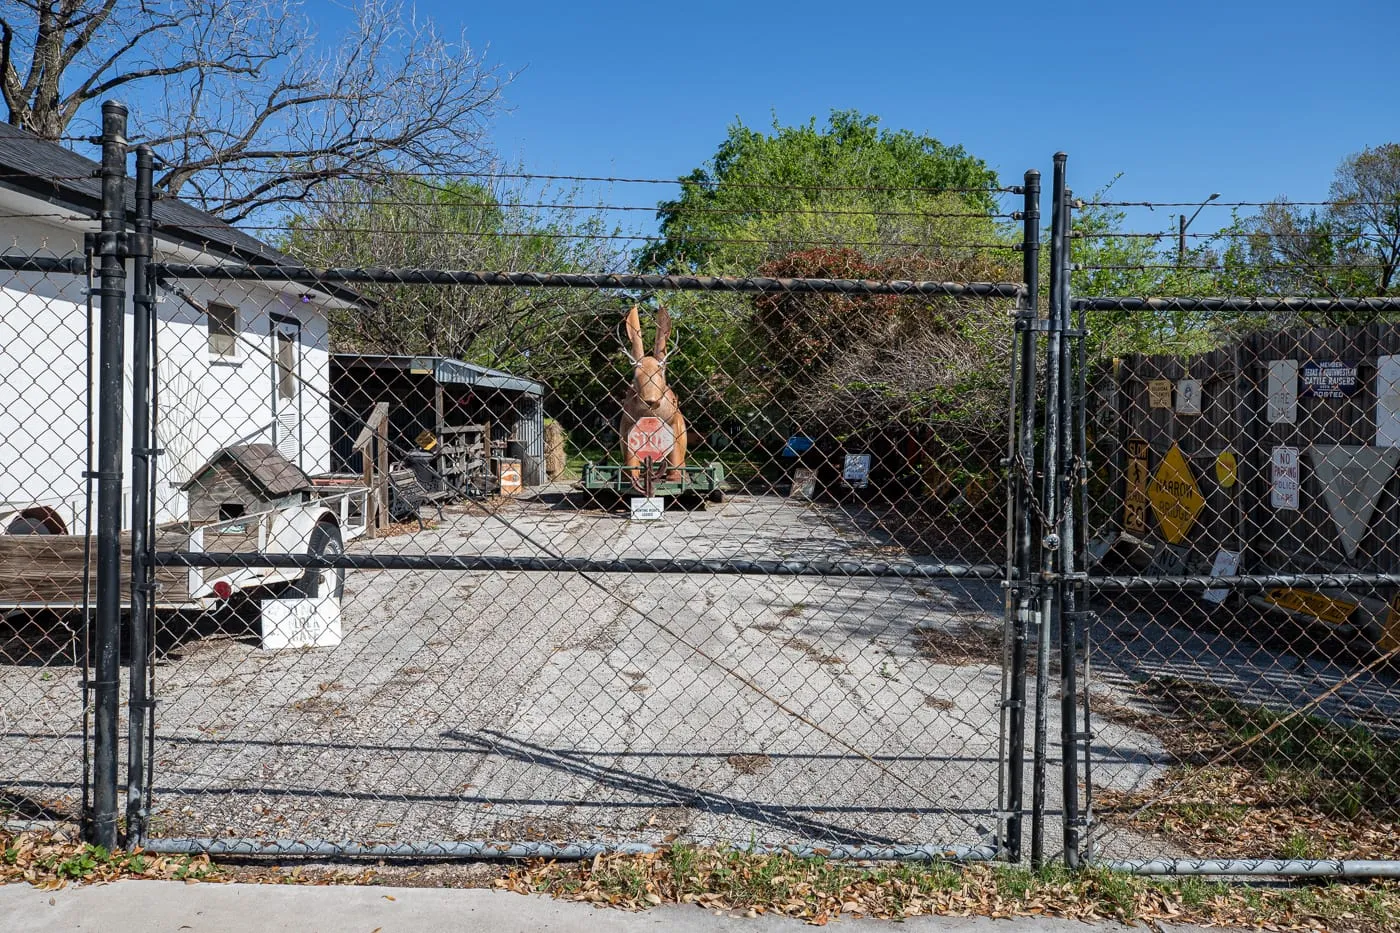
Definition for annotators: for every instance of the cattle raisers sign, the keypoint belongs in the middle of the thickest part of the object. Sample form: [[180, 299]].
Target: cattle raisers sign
[[1328, 378]]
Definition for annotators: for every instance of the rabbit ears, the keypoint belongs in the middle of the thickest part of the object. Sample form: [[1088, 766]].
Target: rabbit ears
[[634, 334]]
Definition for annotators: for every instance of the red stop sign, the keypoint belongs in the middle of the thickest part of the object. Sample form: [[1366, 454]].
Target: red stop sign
[[651, 439]]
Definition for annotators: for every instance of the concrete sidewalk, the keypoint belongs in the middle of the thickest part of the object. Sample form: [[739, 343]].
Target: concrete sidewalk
[[174, 907]]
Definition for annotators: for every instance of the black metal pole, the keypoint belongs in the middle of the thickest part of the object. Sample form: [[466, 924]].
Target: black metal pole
[[1068, 473], [1050, 606], [142, 306], [1022, 469], [1082, 555], [112, 304]]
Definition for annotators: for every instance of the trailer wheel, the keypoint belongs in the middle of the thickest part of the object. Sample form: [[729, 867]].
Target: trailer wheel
[[325, 542]]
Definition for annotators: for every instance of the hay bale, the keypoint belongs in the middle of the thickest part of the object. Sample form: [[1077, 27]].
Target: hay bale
[[555, 459]]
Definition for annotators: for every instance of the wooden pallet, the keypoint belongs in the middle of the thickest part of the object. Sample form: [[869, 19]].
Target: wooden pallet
[[36, 570]]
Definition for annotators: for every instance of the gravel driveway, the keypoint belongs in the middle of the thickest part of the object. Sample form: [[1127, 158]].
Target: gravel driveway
[[551, 706]]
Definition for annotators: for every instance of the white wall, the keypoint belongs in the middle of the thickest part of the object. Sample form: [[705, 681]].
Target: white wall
[[204, 404]]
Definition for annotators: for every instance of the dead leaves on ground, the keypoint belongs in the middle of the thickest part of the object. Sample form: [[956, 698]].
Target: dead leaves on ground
[[51, 860], [814, 890], [819, 892]]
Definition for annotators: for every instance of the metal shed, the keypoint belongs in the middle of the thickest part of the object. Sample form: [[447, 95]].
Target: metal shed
[[466, 407]]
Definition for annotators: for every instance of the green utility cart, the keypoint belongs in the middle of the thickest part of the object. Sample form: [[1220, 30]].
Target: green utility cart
[[612, 481]]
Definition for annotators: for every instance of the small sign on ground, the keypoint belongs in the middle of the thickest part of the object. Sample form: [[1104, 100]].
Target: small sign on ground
[[313, 622], [1227, 564], [856, 470], [648, 508]]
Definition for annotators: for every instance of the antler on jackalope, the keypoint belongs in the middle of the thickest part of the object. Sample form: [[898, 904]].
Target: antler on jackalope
[[648, 396]]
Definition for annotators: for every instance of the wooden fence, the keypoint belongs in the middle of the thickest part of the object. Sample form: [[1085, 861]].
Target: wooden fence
[[1234, 390]]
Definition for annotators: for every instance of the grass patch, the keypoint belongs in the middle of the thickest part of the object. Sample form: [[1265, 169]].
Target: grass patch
[[958, 645], [818, 891], [1255, 782]]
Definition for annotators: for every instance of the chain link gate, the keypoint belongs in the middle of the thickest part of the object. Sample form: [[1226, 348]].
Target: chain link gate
[[1235, 671], [381, 623], [383, 601]]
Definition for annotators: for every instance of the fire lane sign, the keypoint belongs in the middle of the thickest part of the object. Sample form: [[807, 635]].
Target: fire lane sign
[[1282, 406]]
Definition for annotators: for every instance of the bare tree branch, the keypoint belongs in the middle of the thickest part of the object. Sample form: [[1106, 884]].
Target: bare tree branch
[[247, 108]]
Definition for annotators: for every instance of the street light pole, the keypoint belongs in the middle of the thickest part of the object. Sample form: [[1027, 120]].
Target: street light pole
[[1182, 224]]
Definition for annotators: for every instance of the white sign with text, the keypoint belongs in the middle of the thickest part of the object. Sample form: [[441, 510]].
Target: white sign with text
[[1286, 479], [1283, 392]]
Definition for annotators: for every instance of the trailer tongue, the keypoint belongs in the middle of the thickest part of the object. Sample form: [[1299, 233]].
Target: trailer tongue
[[651, 441]]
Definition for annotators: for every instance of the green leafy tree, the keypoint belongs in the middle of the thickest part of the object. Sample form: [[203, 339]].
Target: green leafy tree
[[563, 338], [761, 195], [1111, 260], [844, 200], [1349, 248]]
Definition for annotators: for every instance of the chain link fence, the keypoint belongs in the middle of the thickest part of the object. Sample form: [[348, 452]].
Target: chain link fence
[[502, 650], [46, 434], [826, 541], [1254, 443], [554, 560]]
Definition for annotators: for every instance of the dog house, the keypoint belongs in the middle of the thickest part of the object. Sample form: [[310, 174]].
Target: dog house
[[471, 415], [242, 480]]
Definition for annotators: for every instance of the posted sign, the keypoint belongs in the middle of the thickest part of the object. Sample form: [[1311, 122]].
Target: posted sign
[[1188, 396], [1286, 479], [1328, 378]]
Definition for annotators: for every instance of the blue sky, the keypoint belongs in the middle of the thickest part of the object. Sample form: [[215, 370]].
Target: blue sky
[[1252, 99]]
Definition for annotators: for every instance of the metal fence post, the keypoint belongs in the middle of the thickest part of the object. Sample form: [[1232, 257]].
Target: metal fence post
[[112, 304], [1067, 472], [1050, 604], [1022, 471], [143, 307]]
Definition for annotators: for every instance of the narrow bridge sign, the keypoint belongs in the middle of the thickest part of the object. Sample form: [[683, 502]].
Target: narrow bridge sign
[[1175, 497]]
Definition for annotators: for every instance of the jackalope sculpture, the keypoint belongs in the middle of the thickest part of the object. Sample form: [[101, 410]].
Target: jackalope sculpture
[[649, 397]]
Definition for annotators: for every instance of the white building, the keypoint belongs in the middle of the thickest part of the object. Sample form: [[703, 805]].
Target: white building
[[237, 362]]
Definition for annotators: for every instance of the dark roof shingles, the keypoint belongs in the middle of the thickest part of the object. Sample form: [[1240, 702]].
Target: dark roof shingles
[[49, 171], [264, 465]]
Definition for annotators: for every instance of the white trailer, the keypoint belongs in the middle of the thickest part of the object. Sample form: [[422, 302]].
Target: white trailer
[[235, 362]]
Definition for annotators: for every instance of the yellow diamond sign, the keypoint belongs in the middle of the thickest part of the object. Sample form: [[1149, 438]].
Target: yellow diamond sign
[[1175, 497]]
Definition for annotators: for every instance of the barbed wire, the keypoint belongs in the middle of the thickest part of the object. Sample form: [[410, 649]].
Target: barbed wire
[[634, 237], [706, 183], [1173, 235], [1281, 202], [1219, 267], [436, 205]]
